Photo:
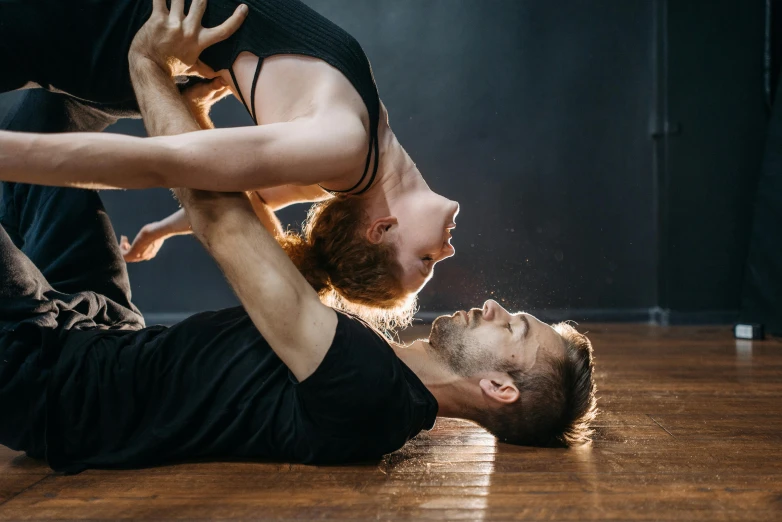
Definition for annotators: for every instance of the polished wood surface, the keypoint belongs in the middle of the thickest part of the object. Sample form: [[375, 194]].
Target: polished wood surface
[[690, 429]]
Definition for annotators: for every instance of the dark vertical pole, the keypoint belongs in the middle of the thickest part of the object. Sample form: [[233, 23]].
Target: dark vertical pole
[[660, 134], [767, 66]]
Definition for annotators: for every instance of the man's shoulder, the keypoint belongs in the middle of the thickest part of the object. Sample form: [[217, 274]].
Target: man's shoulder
[[357, 350], [362, 368], [362, 402]]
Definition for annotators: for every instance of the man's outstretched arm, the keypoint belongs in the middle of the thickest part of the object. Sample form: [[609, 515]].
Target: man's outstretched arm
[[280, 302]]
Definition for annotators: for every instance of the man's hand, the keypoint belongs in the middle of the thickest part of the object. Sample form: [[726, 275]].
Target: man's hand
[[175, 41]]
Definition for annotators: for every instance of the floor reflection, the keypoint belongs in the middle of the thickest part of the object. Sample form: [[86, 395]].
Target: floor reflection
[[744, 360], [451, 477]]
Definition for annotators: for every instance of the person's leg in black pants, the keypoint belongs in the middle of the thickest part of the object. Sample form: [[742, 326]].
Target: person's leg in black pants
[[65, 232], [26, 315], [60, 265]]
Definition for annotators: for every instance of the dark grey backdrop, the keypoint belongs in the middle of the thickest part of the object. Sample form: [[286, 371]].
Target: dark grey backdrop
[[538, 117]]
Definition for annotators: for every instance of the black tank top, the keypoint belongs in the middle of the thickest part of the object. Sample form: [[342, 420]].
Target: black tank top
[[290, 27]]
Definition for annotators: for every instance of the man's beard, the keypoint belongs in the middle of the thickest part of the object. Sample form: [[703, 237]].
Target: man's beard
[[463, 355]]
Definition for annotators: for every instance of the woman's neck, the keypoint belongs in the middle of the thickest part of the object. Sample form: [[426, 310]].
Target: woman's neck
[[397, 175]]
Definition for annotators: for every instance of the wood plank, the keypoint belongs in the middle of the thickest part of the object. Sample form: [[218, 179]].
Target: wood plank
[[12, 485], [319, 493], [16, 463], [720, 426]]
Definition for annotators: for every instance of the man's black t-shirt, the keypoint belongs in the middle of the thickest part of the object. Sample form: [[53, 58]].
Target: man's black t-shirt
[[211, 387]]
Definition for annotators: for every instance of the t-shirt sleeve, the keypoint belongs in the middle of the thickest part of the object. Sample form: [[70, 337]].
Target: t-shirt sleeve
[[360, 392], [358, 375]]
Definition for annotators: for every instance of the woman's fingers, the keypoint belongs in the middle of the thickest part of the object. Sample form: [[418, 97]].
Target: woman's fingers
[[129, 252], [224, 30], [124, 245], [201, 69]]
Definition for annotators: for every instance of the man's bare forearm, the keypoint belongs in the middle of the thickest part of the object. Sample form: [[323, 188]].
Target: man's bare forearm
[[280, 302], [164, 110]]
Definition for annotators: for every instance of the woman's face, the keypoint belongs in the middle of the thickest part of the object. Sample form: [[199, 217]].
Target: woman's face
[[423, 236]]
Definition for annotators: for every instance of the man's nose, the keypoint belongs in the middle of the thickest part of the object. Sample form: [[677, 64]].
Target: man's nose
[[490, 309]]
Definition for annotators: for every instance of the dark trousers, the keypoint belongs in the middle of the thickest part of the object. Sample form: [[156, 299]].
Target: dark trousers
[[60, 268]]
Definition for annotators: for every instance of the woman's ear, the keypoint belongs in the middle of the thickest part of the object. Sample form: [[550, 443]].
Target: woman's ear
[[377, 231]]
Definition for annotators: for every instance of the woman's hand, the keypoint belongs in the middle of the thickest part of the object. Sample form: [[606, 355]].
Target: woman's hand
[[175, 41], [152, 236], [146, 244], [201, 96]]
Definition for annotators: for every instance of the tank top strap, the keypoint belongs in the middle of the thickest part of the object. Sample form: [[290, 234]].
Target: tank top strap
[[252, 90], [374, 167], [251, 108], [373, 146], [236, 84]]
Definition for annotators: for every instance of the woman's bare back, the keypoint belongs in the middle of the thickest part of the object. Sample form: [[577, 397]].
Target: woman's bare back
[[296, 87]]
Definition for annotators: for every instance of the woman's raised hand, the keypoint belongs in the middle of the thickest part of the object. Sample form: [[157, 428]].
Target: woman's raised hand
[[174, 40], [145, 246], [151, 237]]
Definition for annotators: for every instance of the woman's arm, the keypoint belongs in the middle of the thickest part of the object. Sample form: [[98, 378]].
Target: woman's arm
[[321, 150], [151, 237], [200, 98], [286, 195], [325, 150], [265, 215]]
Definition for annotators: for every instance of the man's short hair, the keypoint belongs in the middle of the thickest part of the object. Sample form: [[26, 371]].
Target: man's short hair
[[556, 398]]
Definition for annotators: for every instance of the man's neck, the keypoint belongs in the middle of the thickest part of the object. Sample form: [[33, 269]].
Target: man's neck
[[452, 392]]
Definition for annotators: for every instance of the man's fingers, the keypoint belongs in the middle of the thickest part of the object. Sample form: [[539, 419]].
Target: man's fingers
[[177, 10], [159, 7], [221, 32], [196, 12]]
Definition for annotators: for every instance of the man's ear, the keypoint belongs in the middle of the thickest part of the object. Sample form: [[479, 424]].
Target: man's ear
[[379, 227], [500, 388]]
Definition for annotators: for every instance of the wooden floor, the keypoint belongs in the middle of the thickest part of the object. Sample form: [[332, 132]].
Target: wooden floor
[[690, 429]]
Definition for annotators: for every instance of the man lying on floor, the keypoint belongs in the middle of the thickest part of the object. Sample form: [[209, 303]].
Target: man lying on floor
[[84, 385]]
